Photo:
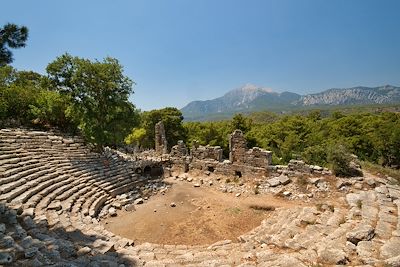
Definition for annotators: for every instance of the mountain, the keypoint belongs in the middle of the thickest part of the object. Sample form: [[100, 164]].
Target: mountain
[[253, 98], [353, 96], [244, 99]]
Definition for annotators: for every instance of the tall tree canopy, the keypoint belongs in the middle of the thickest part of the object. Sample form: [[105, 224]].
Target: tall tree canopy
[[172, 119], [99, 94], [11, 36]]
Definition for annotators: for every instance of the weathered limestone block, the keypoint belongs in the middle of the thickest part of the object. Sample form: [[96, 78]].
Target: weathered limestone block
[[362, 233], [391, 248]]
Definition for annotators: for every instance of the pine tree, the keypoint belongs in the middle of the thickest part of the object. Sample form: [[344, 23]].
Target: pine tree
[[11, 36]]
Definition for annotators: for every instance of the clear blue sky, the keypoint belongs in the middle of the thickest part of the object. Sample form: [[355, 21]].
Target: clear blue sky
[[182, 50]]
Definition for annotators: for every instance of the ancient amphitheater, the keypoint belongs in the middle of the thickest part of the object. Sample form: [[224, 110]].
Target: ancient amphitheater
[[53, 189]]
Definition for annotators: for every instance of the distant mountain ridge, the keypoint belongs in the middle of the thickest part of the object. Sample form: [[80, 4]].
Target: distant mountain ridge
[[253, 98], [355, 95]]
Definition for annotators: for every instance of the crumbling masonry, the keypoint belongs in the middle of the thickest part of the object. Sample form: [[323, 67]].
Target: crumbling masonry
[[242, 161], [161, 140]]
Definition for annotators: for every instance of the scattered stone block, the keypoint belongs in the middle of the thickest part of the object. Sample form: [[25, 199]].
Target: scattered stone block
[[273, 182], [138, 201], [362, 233], [84, 251], [112, 211], [283, 179]]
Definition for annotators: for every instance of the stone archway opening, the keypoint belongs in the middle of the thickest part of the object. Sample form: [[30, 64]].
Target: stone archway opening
[[147, 171]]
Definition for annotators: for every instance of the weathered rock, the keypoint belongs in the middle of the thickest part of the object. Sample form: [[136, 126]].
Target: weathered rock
[[6, 257], [54, 206], [28, 212], [353, 199], [314, 181], [84, 251], [27, 242], [130, 207], [317, 168], [361, 233], [333, 256], [7, 242], [342, 182], [283, 179], [273, 182], [382, 189], [112, 211], [393, 262], [138, 201], [31, 252], [370, 182], [391, 248], [117, 205]]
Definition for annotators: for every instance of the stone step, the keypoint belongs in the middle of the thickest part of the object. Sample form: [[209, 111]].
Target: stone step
[[24, 171], [124, 187], [77, 206], [97, 204], [34, 187], [68, 203], [68, 193], [88, 203], [15, 170], [51, 192]]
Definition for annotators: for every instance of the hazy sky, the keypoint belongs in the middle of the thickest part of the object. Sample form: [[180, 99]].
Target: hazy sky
[[183, 50]]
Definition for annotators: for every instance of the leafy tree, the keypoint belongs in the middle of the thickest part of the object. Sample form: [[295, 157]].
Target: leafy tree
[[11, 36], [49, 109], [7, 76], [314, 115], [241, 122], [136, 137], [99, 94], [172, 119]]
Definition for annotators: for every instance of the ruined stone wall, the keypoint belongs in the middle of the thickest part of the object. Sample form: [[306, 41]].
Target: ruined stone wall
[[179, 150], [237, 146], [238, 152], [243, 161], [258, 157], [160, 139], [206, 153]]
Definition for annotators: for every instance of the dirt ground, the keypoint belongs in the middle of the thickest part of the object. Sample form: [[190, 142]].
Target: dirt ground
[[201, 216]]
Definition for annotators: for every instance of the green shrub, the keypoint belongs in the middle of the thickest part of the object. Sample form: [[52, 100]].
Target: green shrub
[[315, 155], [339, 160]]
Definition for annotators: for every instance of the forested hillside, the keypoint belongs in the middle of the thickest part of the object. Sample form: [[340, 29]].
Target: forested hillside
[[373, 137]]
